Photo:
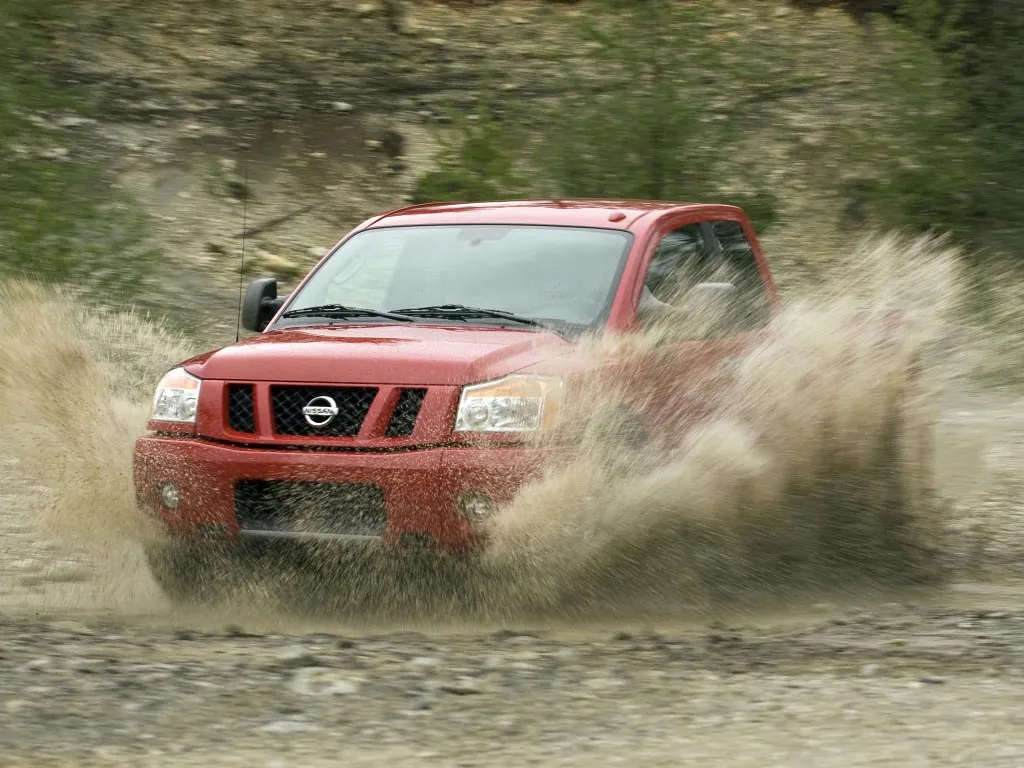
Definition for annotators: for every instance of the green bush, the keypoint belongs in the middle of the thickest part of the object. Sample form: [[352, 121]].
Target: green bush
[[635, 123], [476, 164], [960, 75], [640, 116]]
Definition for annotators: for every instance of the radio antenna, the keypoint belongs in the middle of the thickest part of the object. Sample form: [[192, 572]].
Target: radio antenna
[[241, 268]]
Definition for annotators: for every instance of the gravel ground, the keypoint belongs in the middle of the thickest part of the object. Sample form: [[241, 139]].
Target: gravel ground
[[899, 685], [96, 670]]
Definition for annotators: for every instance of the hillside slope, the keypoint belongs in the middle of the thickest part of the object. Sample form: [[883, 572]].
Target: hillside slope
[[331, 114]]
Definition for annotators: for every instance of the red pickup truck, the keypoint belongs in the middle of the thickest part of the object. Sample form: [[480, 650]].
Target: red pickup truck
[[396, 395]]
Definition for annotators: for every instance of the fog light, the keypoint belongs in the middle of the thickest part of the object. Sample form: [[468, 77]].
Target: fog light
[[476, 507], [170, 495]]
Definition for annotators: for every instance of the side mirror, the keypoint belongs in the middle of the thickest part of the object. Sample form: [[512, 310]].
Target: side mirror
[[260, 303]]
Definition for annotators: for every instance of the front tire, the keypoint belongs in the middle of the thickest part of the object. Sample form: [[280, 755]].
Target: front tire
[[189, 573]]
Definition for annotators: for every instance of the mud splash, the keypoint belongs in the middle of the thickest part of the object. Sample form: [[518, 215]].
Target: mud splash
[[74, 391], [806, 465], [809, 468]]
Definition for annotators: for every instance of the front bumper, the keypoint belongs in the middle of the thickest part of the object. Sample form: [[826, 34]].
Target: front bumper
[[421, 488]]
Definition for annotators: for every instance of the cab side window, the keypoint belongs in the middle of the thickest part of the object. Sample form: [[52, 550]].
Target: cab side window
[[738, 266], [678, 263], [705, 252]]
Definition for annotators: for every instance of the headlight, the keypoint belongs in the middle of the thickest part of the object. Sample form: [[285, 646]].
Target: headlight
[[512, 404], [176, 398]]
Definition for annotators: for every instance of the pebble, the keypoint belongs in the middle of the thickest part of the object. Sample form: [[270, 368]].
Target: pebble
[[462, 686], [603, 683], [55, 153], [295, 656], [424, 661], [869, 670], [289, 726], [342, 106], [323, 681], [13, 706], [109, 752], [73, 121]]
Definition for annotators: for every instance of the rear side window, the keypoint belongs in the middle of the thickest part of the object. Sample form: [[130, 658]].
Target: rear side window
[[738, 265]]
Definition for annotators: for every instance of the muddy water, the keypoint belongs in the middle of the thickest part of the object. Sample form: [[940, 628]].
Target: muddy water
[[75, 387]]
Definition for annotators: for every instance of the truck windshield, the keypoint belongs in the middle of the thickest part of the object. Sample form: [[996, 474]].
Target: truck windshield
[[559, 276]]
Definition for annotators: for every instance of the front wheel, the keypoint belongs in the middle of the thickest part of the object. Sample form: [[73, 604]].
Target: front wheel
[[189, 573]]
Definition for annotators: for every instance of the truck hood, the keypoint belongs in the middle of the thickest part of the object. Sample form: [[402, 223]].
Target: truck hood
[[380, 354]]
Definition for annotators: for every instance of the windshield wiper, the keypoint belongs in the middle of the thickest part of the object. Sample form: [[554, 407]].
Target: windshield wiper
[[341, 311], [461, 311]]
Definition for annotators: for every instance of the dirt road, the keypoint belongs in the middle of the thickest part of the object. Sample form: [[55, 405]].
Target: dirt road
[[893, 685]]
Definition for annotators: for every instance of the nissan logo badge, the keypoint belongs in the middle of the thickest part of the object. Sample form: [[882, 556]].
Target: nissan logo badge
[[320, 411]]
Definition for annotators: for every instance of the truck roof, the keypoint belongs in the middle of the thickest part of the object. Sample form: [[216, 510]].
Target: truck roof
[[610, 214]]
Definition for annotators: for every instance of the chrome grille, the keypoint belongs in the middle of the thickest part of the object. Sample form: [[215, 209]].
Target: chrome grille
[[241, 411], [353, 404], [407, 409]]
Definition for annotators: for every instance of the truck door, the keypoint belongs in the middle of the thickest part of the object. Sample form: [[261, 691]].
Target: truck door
[[705, 301]]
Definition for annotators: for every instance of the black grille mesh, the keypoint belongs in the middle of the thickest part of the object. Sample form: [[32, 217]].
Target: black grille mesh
[[241, 413], [353, 405], [310, 507], [403, 418]]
